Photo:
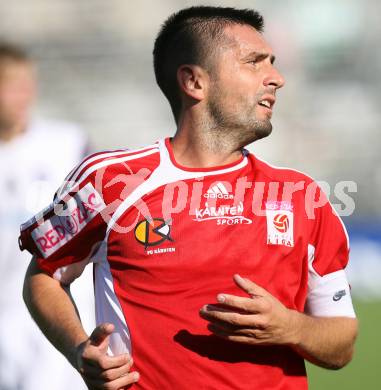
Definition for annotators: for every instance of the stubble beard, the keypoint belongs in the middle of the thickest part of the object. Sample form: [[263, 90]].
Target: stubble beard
[[235, 128]]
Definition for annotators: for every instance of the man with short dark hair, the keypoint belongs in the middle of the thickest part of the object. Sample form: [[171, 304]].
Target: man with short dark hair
[[172, 227]]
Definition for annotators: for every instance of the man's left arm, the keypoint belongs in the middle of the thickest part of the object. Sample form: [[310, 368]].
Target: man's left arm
[[262, 319], [325, 341]]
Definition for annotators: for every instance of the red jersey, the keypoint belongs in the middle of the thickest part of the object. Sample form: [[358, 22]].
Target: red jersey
[[166, 239]]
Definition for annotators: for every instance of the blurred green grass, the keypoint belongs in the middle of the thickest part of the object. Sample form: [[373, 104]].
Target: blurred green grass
[[364, 371]]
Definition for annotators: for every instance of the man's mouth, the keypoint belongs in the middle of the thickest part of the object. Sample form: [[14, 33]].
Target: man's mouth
[[267, 102]]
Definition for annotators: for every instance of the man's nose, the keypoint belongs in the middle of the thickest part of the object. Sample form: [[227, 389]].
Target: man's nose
[[274, 79]]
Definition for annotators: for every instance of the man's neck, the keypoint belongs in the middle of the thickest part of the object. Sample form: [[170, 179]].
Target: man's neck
[[199, 144], [9, 133]]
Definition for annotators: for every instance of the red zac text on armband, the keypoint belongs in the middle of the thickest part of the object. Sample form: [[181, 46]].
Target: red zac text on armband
[[68, 220]]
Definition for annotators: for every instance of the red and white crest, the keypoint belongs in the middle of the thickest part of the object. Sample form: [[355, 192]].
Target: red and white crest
[[280, 223]]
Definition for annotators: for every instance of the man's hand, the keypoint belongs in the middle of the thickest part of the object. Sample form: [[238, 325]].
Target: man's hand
[[99, 370], [263, 320], [260, 319]]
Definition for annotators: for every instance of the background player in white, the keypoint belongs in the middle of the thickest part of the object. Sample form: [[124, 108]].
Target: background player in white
[[34, 156]]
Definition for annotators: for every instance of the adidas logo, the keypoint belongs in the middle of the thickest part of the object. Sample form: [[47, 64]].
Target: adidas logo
[[218, 191]]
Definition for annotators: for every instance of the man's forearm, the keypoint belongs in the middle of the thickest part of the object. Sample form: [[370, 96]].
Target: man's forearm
[[326, 342], [54, 312]]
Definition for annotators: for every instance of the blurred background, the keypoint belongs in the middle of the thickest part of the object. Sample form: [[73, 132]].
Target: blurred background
[[94, 62]]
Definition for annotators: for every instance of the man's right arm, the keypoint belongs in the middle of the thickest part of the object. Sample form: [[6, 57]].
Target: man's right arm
[[54, 311]]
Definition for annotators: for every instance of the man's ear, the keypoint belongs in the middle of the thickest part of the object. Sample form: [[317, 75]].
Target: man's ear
[[193, 81]]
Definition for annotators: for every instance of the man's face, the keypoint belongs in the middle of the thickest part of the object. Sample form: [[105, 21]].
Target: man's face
[[243, 85], [17, 93]]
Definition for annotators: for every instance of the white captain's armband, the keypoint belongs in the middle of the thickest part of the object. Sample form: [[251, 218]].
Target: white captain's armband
[[329, 295]]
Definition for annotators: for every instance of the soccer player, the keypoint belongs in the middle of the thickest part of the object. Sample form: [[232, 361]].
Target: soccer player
[[213, 269], [29, 172]]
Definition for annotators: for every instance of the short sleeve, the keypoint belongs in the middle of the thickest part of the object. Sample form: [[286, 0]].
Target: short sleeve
[[328, 255], [65, 235]]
